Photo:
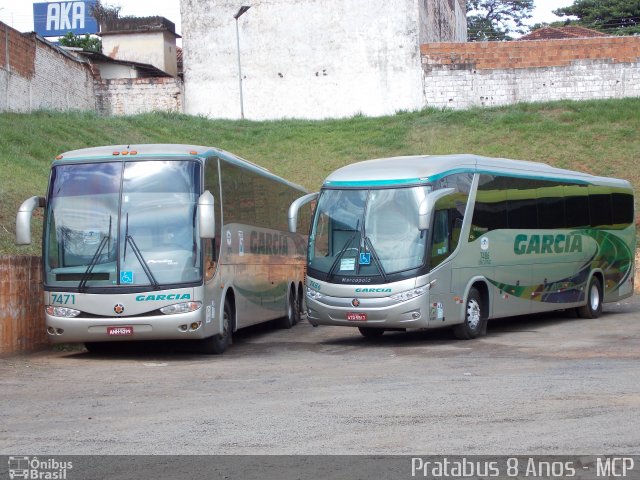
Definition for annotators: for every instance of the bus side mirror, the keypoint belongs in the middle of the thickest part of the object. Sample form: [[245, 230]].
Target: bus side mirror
[[206, 215], [426, 207], [295, 206], [23, 219]]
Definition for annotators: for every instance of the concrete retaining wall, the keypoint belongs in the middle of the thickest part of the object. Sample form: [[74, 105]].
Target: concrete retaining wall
[[464, 75]]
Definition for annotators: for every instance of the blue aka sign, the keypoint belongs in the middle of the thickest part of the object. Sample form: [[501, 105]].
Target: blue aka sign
[[55, 19]]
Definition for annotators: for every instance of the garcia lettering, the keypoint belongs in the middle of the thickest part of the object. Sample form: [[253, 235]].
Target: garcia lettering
[[373, 290], [262, 243], [170, 296], [547, 244]]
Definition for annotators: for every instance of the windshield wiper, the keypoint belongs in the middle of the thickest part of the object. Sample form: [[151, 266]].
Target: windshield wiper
[[128, 239], [376, 259], [368, 245], [82, 286], [331, 271]]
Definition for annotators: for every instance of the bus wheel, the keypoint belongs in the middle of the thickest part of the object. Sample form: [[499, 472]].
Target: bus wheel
[[369, 332], [473, 325], [291, 318], [593, 308], [217, 344]]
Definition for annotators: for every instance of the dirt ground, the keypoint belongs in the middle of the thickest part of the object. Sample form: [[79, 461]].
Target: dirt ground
[[538, 384]]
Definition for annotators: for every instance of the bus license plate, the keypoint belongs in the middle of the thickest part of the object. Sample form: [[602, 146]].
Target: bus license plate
[[119, 331], [356, 317]]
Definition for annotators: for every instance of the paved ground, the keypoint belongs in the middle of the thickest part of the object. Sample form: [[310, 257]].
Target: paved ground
[[545, 384]]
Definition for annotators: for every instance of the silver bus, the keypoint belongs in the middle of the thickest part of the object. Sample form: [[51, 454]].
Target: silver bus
[[420, 242], [164, 242]]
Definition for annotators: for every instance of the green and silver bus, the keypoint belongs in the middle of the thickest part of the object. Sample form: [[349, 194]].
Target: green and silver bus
[[421, 242], [165, 242]]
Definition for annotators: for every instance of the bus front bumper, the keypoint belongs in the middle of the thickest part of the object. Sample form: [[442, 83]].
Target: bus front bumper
[[183, 326], [369, 312]]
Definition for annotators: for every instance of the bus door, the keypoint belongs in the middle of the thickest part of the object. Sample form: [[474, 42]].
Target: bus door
[[448, 217]]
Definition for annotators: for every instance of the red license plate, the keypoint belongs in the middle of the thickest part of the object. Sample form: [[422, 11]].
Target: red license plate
[[356, 317], [119, 331]]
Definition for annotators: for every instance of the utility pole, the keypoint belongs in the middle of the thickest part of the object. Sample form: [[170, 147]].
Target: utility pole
[[241, 12]]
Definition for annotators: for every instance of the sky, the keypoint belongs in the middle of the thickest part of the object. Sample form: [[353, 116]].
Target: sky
[[19, 13]]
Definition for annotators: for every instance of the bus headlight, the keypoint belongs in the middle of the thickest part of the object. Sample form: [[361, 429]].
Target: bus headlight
[[314, 294], [409, 294], [62, 311], [185, 307]]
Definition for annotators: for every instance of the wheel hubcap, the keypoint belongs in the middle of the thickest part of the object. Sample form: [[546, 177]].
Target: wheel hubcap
[[473, 314]]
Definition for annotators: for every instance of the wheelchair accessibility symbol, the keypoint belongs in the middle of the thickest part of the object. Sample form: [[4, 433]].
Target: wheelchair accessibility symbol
[[126, 277], [365, 258]]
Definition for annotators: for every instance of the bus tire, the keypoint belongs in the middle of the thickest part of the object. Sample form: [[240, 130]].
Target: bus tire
[[593, 307], [300, 303], [292, 317], [474, 323], [370, 332], [217, 344]]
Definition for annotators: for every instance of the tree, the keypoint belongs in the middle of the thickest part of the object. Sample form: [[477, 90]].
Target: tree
[[86, 42], [615, 17], [105, 14], [497, 19]]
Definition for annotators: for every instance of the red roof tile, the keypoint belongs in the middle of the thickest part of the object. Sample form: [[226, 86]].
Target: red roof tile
[[550, 33]]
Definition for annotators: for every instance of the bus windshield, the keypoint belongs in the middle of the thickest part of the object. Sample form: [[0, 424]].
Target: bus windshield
[[367, 232], [104, 228]]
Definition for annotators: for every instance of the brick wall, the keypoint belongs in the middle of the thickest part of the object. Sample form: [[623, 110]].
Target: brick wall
[[462, 75], [60, 81], [17, 52], [22, 326], [139, 95], [36, 75]]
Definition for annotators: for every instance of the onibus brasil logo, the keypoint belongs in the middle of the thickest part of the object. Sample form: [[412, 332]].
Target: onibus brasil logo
[[34, 468]]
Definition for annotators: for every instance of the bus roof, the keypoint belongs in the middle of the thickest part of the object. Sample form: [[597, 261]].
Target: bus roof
[[160, 150], [422, 169]]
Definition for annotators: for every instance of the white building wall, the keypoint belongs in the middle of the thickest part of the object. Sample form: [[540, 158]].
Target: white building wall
[[157, 48], [114, 70], [443, 21], [303, 58]]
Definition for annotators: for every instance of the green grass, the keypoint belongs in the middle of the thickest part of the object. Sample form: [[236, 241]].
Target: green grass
[[600, 137]]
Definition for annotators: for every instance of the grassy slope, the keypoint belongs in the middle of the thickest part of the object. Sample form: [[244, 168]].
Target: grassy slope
[[600, 137]]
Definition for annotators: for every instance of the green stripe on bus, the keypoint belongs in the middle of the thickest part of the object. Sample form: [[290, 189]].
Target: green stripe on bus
[[435, 178]]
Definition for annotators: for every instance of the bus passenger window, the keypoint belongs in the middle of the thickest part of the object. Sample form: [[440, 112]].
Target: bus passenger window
[[622, 209], [551, 205], [490, 210], [576, 201], [600, 207]]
